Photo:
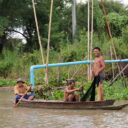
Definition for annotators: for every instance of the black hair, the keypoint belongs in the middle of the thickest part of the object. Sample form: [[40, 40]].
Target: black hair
[[97, 48], [70, 81]]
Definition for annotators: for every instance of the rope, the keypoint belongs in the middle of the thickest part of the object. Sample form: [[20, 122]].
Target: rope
[[49, 36], [37, 29]]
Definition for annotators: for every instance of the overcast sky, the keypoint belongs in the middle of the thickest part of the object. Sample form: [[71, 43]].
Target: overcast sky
[[122, 1]]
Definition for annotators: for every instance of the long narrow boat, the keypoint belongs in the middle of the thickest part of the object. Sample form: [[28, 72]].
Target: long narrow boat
[[52, 104]]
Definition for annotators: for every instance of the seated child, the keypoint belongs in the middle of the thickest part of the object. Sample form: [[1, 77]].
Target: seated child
[[69, 92]]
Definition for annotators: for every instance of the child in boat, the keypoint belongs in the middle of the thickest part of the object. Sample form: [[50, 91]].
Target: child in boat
[[69, 92], [20, 90]]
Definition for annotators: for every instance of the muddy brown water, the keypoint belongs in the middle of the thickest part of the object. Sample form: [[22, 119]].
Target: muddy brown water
[[52, 118]]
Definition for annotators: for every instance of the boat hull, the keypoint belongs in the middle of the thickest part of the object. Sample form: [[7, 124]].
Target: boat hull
[[66, 105]]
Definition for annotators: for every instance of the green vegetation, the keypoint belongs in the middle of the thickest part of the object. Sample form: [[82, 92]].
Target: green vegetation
[[117, 91], [16, 57], [5, 83]]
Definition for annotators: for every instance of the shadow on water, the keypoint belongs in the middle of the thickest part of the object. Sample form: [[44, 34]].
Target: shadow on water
[[47, 118]]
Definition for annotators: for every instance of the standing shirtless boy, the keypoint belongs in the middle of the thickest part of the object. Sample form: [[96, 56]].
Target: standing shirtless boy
[[98, 70]]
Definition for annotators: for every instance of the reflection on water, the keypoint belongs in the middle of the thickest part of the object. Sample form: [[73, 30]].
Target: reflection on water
[[47, 118]]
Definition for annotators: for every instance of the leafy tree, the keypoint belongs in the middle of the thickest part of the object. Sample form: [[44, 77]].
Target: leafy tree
[[117, 22]]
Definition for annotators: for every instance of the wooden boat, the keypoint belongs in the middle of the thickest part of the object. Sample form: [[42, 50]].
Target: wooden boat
[[52, 104], [112, 107]]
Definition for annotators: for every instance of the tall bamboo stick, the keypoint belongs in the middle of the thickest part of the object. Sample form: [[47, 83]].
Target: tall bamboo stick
[[48, 44], [88, 45]]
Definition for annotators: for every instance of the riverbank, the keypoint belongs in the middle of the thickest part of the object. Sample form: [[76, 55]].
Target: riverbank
[[51, 92]]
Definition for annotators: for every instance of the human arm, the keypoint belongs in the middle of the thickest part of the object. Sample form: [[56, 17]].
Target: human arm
[[71, 90], [29, 88]]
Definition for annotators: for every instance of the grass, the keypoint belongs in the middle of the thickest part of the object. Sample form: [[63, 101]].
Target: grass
[[117, 91], [6, 83]]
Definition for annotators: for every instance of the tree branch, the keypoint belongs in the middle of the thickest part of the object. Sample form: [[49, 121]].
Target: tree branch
[[18, 32]]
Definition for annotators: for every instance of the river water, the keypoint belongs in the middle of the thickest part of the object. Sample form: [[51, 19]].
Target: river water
[[47, 118]]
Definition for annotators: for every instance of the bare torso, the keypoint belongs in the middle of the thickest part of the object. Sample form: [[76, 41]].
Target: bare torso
[[69, 88], [20, 90], [98, 65]]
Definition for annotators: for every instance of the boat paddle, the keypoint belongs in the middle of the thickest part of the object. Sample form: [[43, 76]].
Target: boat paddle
[[16, 105], [118, 75]]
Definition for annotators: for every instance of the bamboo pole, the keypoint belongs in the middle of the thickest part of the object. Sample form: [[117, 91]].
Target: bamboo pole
[[38, 32], [91, 41], [74, 20], [113, 73], [110, 35], [118, 75], [48, 44], [59, 69], [88, 45]]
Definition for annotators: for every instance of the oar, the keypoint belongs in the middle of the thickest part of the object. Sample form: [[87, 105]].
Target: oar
[[22, 97], [118, 75]]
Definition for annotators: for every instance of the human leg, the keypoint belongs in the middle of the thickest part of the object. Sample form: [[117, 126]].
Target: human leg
[[17, 98], [65, 96], [100, 92], [70, 97], [100, 86], [30, 96], [77, 98]]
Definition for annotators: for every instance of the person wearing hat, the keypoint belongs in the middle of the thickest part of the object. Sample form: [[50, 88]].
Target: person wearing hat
[[20, 90], [69, 92]]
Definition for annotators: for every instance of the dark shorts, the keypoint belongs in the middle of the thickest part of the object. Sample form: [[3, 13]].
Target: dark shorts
[[73, 99], [101, 77], [25, 97]]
